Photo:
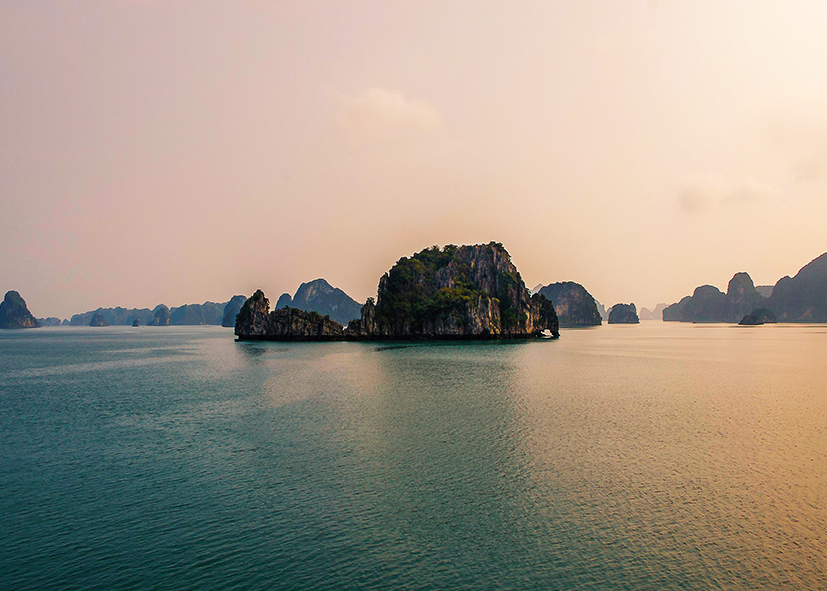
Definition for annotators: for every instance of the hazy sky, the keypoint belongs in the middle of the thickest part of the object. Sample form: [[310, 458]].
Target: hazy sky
[[173, 151]]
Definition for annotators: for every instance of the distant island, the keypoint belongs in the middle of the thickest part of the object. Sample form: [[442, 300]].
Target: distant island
[[656, 314], [441, 293], [324, 299], [458, 292], [15, 314], [210, 313], [98, 320], [709, 304], [51, 321], [802, 298], [623, 314], [231, 310], [573, 304]]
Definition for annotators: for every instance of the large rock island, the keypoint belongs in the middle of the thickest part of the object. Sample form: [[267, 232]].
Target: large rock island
[[458, 292], [15, 314]]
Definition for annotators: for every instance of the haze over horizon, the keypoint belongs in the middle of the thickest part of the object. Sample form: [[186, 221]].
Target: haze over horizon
[[167, 151]]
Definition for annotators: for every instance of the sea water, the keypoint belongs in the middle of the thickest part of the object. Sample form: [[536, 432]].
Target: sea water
[[659, 456]]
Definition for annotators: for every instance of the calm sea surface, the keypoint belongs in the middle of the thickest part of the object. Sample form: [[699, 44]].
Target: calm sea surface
[[659, 456]]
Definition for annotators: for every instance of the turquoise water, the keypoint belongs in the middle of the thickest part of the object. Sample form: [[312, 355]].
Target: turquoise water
[[659, 456]]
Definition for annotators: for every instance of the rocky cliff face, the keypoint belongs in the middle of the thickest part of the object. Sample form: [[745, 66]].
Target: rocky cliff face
[[623, 314], [573, 304], [15, 314], [455, 292]]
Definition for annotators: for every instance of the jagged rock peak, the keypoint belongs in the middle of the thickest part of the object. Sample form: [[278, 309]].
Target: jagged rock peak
[[15, 314]]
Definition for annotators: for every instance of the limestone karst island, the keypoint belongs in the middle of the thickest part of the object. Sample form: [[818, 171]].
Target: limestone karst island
[[458, 292], [15, 314]]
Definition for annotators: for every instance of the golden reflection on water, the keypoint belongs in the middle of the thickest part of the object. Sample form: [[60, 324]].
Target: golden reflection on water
[[701, 441]]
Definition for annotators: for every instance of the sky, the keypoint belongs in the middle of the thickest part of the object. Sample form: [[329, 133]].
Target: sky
[[172, 151]]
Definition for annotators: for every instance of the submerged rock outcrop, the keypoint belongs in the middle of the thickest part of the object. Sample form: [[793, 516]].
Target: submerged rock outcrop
[[451, 293], [573, 304], [15, 314], [623, 314]]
